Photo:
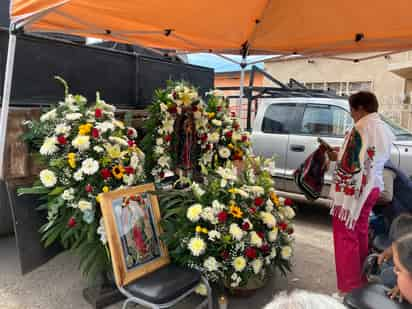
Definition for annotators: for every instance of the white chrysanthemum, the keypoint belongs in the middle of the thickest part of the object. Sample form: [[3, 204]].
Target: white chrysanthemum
[[217, 122], [90, 166], [84, 205], [224, 152], [214, 235], [214, 137], [208, 214], [62, 129], [68, 194], [50, 115], [257, 265], [98, 149], [211, 264], [268, 219], [239, 263], [73, 116], [236, 231], [201, 289], [49, 146], [163, 161], [118, 140], [273, 234], [255, 240], [48, 178], [286, 252], [78, 175], [105, 126], [193, 212], [197, 246], [288, 212], [81, 142]]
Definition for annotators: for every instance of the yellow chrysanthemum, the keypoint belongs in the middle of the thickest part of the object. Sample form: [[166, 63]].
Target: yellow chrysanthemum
[[230, 146], [106, 189], [211, 115], [235, 211], [118, 171], [274, 198], [85, 129], [71, 159], [198, 229]]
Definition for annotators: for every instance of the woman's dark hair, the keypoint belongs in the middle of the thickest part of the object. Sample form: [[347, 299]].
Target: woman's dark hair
[[401, 226], [404, 247], [365, 99]]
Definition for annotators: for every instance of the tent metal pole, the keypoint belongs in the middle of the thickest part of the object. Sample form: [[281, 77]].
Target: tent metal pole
[[242, 82], [6, 99]]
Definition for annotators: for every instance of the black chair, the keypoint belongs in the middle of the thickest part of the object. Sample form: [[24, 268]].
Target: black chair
[[373, 296]]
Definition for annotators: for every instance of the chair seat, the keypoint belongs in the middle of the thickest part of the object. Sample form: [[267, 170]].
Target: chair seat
[[373, 296], [381, 242], [165, 284]]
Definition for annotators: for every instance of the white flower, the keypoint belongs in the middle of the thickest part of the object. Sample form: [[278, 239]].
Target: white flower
[[168, 125], [81, 142], [227, 173], [236, 137], [268, 219], [256, 190], [129, 179], [90, 166], [197, 190], [197, 115], [288, 212], [273, 253], [118, 140], [251, 177], [49, 146], [102, 232], [214, 235], [236, 231], [197, 246], [98, 149], [269, 205], [209, 215], [48, 178], [193, 212], [286, 252], [217, 123], [134, 161], [163, 161], [105, 126], [132, 133], [281, 201], [218, 206], [50, 115], [240, 192], [273, 234], [62, 129], [239, 263], [255, 240], [224, 152], [78, 176], [201, 289], [68, 194], [211, 264], [163, 107], [159, 141], [118, 123], [214, 137], [159, 150], [84, 205], [73, 116], [257, 265]]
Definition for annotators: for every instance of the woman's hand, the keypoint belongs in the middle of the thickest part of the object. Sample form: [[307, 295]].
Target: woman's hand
[[385, 255], [395, 293]]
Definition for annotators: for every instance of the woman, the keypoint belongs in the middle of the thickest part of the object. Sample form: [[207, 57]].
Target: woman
[[357, 181], [402, 257]]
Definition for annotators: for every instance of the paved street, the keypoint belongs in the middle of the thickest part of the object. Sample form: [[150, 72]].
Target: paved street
[[58, 284]]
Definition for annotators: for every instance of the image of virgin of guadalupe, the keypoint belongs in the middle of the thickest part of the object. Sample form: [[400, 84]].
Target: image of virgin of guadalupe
[[137, 231]]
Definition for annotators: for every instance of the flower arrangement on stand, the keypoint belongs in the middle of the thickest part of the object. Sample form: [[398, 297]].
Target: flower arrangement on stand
[[86, 151]]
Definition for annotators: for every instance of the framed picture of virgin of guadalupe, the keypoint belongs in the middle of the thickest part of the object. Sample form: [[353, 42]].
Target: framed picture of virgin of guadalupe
[[131, 218]]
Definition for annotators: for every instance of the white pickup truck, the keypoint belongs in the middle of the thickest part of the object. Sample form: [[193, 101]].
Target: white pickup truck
[[288, 128]]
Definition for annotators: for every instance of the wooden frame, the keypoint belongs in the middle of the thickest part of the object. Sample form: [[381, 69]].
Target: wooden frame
[[128, 214]]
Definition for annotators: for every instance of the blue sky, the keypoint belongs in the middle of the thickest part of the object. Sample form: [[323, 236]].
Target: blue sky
[[219, 64]]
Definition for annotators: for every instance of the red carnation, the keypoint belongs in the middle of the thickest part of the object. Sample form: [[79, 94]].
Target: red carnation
[[260, 234], [130, 143], [71, 223], [224, 254], [265, 248], [129, 170], [130, 132], [209, 146], [283, 226], [95, 133], [229, 134], [88, 188], [251, 253], [288, 202], [245, 226], [259, 201], [105, 173], [62, 140], [222, 216], [203, 138], [219, 108], [244, 138], [98, 113], [168, 138]]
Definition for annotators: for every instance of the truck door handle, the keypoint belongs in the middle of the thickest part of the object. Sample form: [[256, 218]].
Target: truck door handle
[[297, 148]]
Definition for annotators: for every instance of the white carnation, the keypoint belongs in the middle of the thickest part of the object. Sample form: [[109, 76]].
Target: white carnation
[[48, 178], [224, 152], [90, 166], [81, 142], [209, 215], [98, 149], [105, 126], [78, 175]]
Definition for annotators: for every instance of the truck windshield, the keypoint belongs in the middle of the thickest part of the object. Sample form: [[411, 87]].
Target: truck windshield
[[399, 132]]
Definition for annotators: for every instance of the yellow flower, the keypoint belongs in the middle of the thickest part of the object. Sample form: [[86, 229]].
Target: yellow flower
[[98, 198], [106, 189], [114, 151], [211, 115], [85, 129], [204, 230], [230, 146], [71, 159], [198, 229], [274, 198], [118, 171], [235, 211]]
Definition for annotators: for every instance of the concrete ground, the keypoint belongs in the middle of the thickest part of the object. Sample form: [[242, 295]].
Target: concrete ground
[[58, 283]]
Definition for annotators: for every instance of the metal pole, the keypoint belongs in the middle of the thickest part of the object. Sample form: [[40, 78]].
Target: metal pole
[[242, 81], [6, 99]]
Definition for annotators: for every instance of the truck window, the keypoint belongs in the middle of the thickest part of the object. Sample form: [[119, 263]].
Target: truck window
[[278, 118], [325, 120]]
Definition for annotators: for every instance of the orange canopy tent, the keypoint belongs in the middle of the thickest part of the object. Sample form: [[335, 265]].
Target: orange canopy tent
[[285, 28]]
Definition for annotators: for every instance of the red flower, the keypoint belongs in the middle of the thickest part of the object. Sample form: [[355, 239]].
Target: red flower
[[252, 210], [174, 94], [288, 202], [161, 174], [168, 138], [245, 226], [265, 248], [71, 223], [219, 108], [229, 134], [244, 138], [172, 109], [98, 113], [194, 108], [88, 188], [209, 146], [62, 140], [233, 114], [283, 226], [251, 253], [290, 230], [222, 216], [260, 234], [130, 143], [95, 133], [105, 173], [259, 201], [129, 170], [224, 254], [203, 138], [130, 132]]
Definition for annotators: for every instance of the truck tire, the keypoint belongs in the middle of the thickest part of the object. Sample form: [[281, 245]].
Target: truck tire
[[6, 218]]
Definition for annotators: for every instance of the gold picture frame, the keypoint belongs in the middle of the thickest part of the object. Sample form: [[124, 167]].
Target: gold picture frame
[[131, 218]]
